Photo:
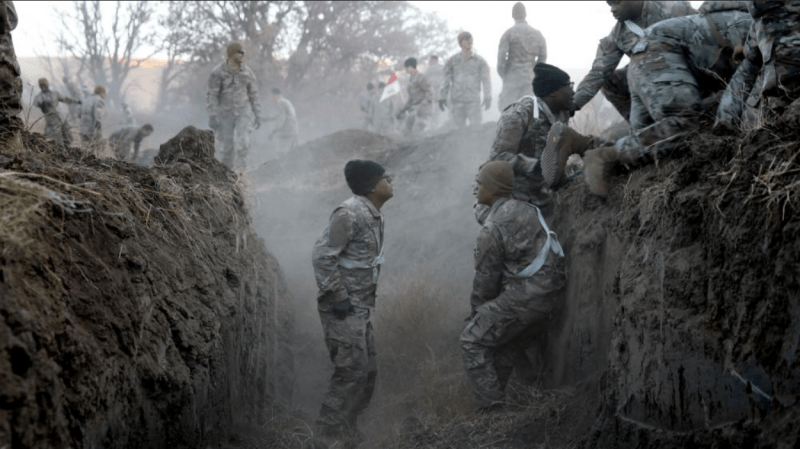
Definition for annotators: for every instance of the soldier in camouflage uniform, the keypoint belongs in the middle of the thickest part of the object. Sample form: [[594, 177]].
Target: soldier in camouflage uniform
[[769, 76], [535, 127], [75, 94], [435, 74], [91, 116], [464, 74], [233, 106], [633, 17], [54, 126], [417, 109], [122, 139], [285, 131], [10, 81], [347, 259], [521, 47], [383, 112], [519, 273]]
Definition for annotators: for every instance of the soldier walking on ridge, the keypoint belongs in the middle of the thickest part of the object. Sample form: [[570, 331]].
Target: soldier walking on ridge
[[55, 127], [464, 74], [521, 47]]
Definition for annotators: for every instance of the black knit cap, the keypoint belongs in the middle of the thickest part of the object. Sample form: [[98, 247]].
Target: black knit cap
[[548, 79], [362, 175]]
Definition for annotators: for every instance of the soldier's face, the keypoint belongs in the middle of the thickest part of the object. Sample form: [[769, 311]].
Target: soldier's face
[[466, 44], [411, 70], [623, 11], [481, 194], [383, 189], [563, 99], [238, 57]]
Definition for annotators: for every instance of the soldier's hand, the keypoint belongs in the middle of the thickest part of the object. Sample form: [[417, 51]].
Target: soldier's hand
[[341, 309], [442, 104], [257, 123], [487, 103]]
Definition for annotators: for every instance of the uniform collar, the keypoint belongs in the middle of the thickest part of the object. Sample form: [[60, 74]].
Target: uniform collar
[[372, 209]]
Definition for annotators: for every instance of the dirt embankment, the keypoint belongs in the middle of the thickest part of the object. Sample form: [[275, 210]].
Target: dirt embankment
[[137, 306]]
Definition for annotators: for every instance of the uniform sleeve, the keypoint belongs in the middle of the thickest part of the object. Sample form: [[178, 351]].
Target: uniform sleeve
[[252, 94], [511, 128], [488, 267], [325, 259], [542, 49], [11, 13], [502, 55], [486, 80], [212, 94], [732, 101], [447, 80], [605, 62]]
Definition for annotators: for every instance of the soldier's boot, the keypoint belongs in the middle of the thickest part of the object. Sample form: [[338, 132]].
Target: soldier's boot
[[562, 142], [596, 163]]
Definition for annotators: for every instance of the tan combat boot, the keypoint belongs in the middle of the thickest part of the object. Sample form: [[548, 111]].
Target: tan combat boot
[[562, 141], [595, 162]]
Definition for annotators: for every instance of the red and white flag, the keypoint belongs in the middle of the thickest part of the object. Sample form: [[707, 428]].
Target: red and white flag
[[392, 88]]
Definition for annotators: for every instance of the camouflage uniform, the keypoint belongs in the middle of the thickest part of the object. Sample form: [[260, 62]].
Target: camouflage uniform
[[435, 75], [54, 126], [383, 114], [74, 93], [364, 101], [618, 44], [418, 105], [521, 47], [347, 259], [10, 81], [122, 139], [233, 102], [286, 131], [510, 307], [461, 86], [769, 76], [91, 131], [666, 87]]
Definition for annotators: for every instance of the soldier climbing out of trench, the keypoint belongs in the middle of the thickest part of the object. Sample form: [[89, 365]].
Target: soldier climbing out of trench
[[519, 273], [347, 259], [55, 127], [122, 139]]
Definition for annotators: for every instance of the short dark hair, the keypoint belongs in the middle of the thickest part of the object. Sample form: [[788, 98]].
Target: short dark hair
[[148, 127], [410, 62], [381, 85], [370, 86], [275, 91]]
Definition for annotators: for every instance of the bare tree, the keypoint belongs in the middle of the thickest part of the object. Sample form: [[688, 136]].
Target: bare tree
[[108, 55]]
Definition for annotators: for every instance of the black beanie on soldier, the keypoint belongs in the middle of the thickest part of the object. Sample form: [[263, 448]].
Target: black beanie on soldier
[[362, 175], [548, 79]]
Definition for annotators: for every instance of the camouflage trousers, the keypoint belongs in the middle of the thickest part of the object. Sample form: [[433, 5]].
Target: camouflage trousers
[[233, 132], [466, 111], [418, 119], [10, 85], [493, 343], [665, 100], [516, 84], [59, 130], [618, 93], [351, 346]]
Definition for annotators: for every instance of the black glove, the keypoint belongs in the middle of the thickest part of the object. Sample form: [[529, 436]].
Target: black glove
[[442, 104], [341, 309]]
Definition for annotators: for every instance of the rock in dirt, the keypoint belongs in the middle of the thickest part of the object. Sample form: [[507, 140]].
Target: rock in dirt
[[138, 308]]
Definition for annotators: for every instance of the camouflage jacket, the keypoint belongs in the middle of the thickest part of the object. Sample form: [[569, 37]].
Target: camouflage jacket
[[382, 111], [463, 78], [521, 47], [48, 103], [620, 43], [126, 136], [772, 52], [694, 36], [435, 75], [348, 254], [419, 91], [233, 93], [92, 114], [522, 130], [286, 118], [511, 238]]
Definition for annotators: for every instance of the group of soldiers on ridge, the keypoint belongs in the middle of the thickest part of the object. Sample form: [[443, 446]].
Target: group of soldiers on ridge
[[724, 60]]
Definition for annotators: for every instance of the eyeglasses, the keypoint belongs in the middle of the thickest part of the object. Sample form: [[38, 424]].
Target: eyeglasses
[[241, 52], [387, 177]]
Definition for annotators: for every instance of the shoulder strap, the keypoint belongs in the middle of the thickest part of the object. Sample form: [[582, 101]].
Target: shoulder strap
[[551, 244]]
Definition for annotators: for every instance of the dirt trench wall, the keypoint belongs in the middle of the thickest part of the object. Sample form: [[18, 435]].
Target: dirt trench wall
[[684, 289], [137, 306]]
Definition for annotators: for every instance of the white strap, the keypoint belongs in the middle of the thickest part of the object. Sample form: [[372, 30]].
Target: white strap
[[641, 45], [550, 245], [635, 29]]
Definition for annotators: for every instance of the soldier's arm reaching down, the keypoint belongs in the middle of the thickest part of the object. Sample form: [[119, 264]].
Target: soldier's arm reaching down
[[252, 94], [732, 102], [488, 266], [212, 94], [605, 62], [341, 230], [486, 83], [447, 81]]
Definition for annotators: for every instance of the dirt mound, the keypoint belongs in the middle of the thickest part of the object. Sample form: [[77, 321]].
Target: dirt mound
[[139, 309]]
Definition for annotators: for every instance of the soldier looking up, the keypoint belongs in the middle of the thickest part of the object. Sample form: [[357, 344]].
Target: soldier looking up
[[632, 18], [122, 139], [420, 96], [233, 106], [55, 127], [519, 271], [347, 260], [521, 47], [464, 74]]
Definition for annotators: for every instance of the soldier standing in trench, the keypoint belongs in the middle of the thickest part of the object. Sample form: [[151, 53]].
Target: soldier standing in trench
[[55, 127], [521, 47], [519, 272], [347, 259], [10, 81], [233, 105], [464, 74]]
